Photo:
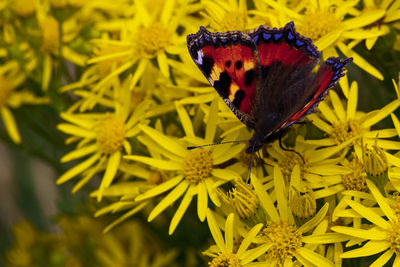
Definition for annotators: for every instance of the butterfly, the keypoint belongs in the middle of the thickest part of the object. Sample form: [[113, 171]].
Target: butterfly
[[265, 77]]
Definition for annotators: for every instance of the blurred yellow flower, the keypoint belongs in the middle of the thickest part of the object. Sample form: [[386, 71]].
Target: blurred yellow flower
[[103, 136]]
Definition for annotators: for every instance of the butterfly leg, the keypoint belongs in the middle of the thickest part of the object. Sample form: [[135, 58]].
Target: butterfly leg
[[289, 150]]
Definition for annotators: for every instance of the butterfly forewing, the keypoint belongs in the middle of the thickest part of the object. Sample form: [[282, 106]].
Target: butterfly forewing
[[230, 63]]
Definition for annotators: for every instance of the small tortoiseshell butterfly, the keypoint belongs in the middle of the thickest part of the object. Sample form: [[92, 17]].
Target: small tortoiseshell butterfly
[[265, 77]]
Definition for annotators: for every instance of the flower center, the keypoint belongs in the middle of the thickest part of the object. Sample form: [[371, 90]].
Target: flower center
[[232, 21], [318, 23], [23, 8], [111, 135], [50, 35], [197, 165], [356, 179], [225, 260], [395, 204], [152, 39], [244, 200], [5, 90], [285, 239], [393, 237], [343, 131], [287, 162], [302, 204]]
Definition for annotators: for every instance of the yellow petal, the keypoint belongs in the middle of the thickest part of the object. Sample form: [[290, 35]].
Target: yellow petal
[[80, 152], [383, 259], [248, 239], [337, 105], [74, 130], [176, 193], [265, 199], [10, 124], [328, 39], [352, 100], [163, 63], [211, 125], [167, 11], [383, 204], [157, 163], [111, 169], [71, 173], [187, 199], [313, 257], [229, 232], [202, 201], [185, 120], [365, 19], [159, 189], [370, 248], [359, 61], [396, 123], [215, 232], [166, 142], [327, 112], [383, 113], [369, 215]]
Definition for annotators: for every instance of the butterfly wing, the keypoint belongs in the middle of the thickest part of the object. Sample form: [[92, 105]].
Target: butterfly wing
[[230, 63], [289, 89]]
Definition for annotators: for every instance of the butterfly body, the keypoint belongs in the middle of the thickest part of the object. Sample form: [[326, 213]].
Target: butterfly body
[[265, 77]]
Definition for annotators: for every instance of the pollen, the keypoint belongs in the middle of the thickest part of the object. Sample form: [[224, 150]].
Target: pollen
[[393, 237], [356, 179], [343, 131], [287, 162], [244, 200], [5, 90], [153, 39], [50, 34], [318, 23], [225, 260], [111, 135], [197, 165], [285, 239]]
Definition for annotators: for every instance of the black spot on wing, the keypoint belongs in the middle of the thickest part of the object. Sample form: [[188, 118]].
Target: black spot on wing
[[238, 65], [238, 98], [222, 84], [207, 65], [228, 63], [249, 77]]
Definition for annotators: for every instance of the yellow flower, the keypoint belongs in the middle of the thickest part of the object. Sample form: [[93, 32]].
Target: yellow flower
[[382, 235], [103, 136], [12, 77], [342, 124], [228, 252], [197, 170], [290, 244], [331, 25], [227, 15]]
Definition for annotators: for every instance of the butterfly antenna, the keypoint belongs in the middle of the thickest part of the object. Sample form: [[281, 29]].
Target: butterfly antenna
[[290, 150], [218, 143], [251, 163]]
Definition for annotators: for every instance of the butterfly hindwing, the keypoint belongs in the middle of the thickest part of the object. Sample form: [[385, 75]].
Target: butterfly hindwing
[[286, 62], [327, 76], [230, 63]]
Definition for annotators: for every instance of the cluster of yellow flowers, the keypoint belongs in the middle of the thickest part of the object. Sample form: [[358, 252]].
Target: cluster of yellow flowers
[[133, 101]]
